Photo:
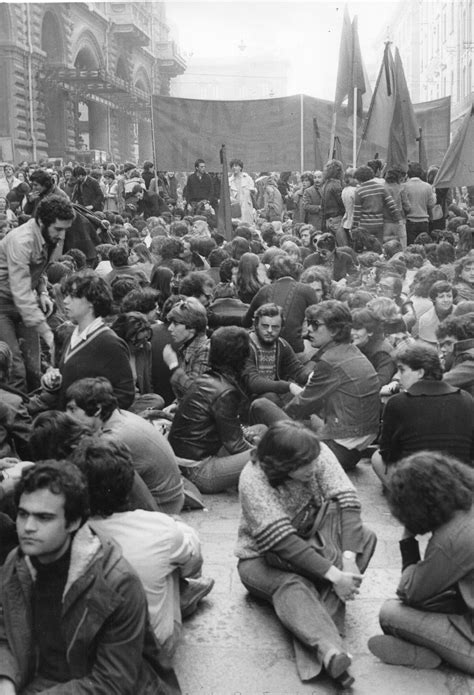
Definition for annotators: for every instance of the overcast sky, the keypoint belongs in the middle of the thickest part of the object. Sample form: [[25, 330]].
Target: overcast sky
[[307, 34]]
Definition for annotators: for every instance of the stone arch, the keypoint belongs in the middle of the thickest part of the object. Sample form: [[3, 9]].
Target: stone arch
[[91, 115], [52, 39], [88, 54], [141, 80], [5, 23]]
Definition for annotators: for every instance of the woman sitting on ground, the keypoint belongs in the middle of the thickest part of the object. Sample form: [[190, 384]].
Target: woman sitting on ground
[[429, 414], [434, 619], [289, 471]]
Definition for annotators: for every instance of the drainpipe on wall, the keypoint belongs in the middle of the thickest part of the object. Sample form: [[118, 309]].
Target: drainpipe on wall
[[109, 134], [30, 84]]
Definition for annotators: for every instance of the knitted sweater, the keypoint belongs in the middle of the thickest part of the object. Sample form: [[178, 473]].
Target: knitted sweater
[[372, 202], [267, 511], [103, 353]]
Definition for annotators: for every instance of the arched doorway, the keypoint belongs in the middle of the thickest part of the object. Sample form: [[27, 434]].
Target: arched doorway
[[92, 116], [54, 97]]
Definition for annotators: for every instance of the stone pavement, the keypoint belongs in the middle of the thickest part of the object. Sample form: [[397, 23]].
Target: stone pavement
[[234, 644]]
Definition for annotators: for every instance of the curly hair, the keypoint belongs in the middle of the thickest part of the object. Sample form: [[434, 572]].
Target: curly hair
[[286, 446], [86, 283], [107, 465], [420, 356], [54, 208], [426, 489], [60, 478], [229, 349], [460, 327], [333, 170], [283, 266]]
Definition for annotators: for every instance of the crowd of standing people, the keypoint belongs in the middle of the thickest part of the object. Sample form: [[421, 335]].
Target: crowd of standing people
[[147, 359]]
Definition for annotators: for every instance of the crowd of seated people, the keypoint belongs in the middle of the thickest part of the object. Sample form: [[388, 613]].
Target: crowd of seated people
[[149, 357]]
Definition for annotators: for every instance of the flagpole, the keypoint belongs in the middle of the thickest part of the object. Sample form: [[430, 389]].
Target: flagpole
[[333, 135], [354, 131], [153, 142], [301, 134]]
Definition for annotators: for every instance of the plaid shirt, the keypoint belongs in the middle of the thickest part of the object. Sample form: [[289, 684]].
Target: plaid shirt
[[193, 361]]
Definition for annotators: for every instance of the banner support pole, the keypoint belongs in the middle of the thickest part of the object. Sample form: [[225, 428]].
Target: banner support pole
[[153, 142], [354, 131], [301, 133]]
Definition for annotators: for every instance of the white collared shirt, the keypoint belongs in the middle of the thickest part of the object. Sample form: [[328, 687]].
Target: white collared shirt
[[77, 338]]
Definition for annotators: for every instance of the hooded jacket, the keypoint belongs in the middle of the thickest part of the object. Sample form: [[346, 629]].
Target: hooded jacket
[[111, 648]]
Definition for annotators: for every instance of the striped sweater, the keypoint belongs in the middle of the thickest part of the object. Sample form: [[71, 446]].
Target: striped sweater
[[373, 203], [266, 512]]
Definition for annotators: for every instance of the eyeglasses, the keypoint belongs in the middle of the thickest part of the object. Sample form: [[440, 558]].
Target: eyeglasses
[[316, 324]]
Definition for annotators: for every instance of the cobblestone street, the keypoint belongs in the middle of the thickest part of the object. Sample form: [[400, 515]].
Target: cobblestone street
[[234, 644]]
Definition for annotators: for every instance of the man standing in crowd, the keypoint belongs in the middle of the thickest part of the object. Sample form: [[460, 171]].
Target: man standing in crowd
[[73, 613], [198, 186], [87, 191], [422, 198], [24, 301]]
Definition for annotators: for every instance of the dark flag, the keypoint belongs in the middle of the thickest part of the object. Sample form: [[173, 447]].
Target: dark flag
[[350, 72], [391, 123], [224, 214], [457, 168]]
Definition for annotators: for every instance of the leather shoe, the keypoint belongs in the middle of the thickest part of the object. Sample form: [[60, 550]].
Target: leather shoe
[[392, 650], [194, 592]]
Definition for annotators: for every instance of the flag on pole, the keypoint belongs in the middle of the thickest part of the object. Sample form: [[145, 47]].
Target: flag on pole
[[391, 124], [350, 72], [224, 213], [457, 168]]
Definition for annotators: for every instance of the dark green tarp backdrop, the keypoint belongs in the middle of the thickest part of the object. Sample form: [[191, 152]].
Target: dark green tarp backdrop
[[278, 134]]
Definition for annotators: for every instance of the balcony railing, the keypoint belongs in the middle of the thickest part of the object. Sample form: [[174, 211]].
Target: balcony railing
[[132, 21]]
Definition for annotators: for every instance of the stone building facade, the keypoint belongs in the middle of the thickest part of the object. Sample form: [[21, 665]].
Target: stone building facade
[[76, 79], [436, 43]]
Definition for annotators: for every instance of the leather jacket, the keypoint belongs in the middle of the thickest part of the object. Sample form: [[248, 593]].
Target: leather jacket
[[110, 645], [343, 391], [208, 419]]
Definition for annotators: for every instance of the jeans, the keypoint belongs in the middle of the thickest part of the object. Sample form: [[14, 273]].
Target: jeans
[[218, 473], [432, 630], [25, 346], [300, 608]]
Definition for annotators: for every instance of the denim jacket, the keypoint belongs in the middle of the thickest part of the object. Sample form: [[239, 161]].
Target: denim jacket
[[343, 391]]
